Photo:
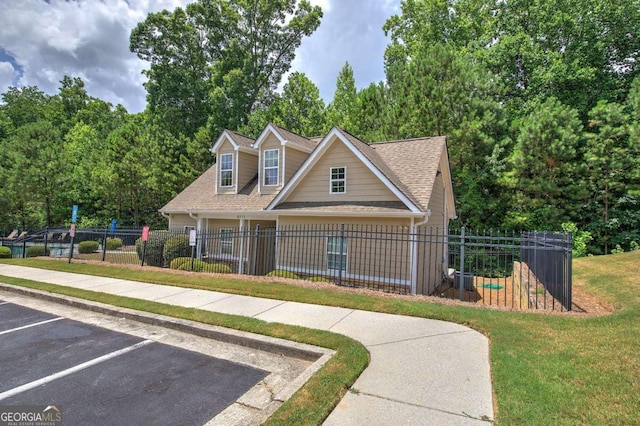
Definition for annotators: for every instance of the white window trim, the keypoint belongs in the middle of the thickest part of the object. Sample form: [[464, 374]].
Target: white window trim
[[264, 167], [221, 252], [226, 170], [331, 180], [345, 254]]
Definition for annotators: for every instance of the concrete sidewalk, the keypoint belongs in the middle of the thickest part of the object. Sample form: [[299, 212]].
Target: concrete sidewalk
[[422, 371]]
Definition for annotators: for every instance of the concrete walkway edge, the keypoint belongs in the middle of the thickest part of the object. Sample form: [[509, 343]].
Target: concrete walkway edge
[[422, 371]]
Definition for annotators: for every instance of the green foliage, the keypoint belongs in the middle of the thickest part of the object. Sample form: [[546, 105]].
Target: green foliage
[[114, 243], [282, 274], [5, 252], [211, 61], [87, 247], [36, 251], [176, 247], [218, 268], [617, 250], [154, 249], [633, 246], [181, 263], [580, 239], [318, 279]]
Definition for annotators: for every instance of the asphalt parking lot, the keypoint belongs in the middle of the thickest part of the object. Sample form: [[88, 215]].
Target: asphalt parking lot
[[99, 376]]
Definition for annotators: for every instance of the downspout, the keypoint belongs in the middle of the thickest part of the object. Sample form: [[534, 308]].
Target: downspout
[[199, 233], [414, 250]]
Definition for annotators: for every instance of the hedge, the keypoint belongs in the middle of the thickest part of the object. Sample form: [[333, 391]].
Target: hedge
[[5, 252], [35, 251], [282, 274], [114, 243], [87, 247], [175, 247], [155, 246]]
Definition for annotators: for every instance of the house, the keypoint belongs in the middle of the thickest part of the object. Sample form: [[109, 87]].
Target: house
[[283, 180]]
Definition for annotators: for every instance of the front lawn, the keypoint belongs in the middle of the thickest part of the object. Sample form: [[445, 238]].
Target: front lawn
[[547, 369]]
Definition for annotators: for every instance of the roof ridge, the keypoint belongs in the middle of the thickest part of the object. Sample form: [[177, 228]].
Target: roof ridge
[[287, 130], [407, 140]]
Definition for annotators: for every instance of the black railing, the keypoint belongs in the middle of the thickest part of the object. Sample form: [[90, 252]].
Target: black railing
[[518, 270]]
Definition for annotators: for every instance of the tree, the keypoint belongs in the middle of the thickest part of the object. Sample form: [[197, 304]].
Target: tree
[[219, 59], [342, 109], [613, 162], [544, 163]]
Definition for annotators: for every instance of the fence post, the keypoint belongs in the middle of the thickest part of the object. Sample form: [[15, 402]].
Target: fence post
[[24, 248], [144, 252], [569, 266], [461, 275], [255, 251], [46, 239], [104, 245], [341, 254]]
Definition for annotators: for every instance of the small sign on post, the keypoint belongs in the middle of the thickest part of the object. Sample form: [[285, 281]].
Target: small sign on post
[[74, 213], [72, 234], [113, 226], [192, 238], [145, 238]]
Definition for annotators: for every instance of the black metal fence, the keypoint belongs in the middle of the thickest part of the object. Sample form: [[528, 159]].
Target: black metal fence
[[519, 270]]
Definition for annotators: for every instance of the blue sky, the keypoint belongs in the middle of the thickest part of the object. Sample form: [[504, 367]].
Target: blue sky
[[40, 42]]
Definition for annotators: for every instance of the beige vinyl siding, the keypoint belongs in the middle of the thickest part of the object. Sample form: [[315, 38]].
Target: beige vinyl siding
[[436, 204], [432, 258], [361, 183], [270, 142], [247, 168], [226, 148], [367, 259], [179, 221], [294, 159]]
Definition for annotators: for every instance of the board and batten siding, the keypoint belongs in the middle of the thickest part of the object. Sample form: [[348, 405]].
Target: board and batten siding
[[361, 183], [225, 148]]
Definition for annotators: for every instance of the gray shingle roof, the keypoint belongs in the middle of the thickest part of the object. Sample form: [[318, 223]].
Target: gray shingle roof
[[240, 139], [411, 165], [295, 138], [201, 196]]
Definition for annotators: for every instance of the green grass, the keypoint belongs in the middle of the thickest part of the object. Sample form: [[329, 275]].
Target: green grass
[[547, 369]]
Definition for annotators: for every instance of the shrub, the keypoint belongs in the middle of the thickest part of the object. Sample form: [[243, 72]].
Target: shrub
[[282, 274], [35, 251], [318, 279], [617, 250], [218, 268], [178, 262], [5, 252], [175, 247], [155, 245], [86, 247], [633, 246], [114, 243]]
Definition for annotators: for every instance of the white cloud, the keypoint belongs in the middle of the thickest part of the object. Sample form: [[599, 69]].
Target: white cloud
[[90, 39], [7, 74], [84, 38]]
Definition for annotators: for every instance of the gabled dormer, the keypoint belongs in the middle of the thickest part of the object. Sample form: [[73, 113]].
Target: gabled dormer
[[281, 153], [236, 162]]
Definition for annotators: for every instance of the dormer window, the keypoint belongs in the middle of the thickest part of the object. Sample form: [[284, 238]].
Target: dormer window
[[338, 180], [271, 167], [226, 170]]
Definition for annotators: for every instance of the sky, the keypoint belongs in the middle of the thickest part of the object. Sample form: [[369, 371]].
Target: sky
[[42, 41]]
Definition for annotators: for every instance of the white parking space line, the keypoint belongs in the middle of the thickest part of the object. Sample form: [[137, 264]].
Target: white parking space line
[[30, 325], [68, 371]]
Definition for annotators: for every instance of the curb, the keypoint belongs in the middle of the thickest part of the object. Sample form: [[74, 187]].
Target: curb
[[274, 345]]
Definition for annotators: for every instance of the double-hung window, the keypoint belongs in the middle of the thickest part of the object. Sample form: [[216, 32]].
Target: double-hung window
[[337, 253], [338, 180], [226, 170], [271, 167]]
